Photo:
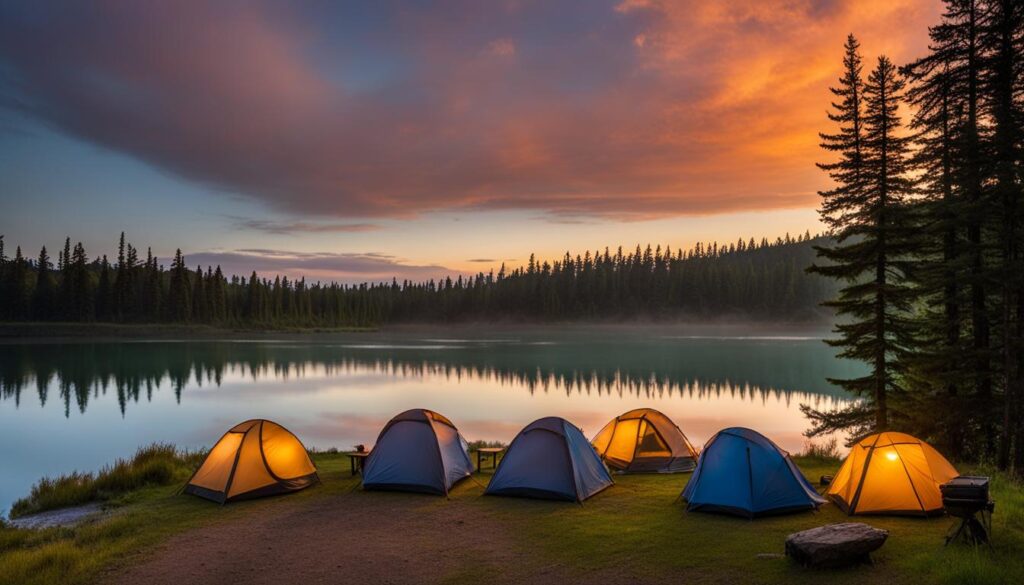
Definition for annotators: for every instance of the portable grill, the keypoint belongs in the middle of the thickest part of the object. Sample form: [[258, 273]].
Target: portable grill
[[966, 498]]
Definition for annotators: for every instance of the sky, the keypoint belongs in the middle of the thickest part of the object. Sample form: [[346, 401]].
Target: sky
[[357, 141]]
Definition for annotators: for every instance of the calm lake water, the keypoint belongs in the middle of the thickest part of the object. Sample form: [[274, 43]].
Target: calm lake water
[[78, 406]]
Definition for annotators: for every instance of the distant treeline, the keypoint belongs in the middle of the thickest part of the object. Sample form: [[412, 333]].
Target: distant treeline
[[760, 279]]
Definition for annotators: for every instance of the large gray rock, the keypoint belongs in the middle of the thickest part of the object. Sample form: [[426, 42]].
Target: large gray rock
[[835, 545]]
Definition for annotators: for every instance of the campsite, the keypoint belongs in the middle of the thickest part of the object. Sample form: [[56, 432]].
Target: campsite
[[515, 292], [562, 515], [635, 530]]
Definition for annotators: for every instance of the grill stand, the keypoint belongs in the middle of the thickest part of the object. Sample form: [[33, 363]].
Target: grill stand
[[973, 530]]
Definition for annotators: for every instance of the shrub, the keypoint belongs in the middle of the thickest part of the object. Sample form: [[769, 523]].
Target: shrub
[[825, 450]]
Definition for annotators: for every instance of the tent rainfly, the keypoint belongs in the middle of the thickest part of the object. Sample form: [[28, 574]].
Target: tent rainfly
[[550, 459], [645, 440], [742, 472], [891, 473], [255, 458], [418, 451]]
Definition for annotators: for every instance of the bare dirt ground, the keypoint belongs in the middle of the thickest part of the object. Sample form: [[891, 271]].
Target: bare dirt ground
[[352, 538]]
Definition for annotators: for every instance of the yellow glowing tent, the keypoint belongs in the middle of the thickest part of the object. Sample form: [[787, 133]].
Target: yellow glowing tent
[[253, 459], [891, 473], [645, 440]]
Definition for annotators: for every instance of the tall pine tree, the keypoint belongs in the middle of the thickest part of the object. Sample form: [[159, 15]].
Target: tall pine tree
[[179, 305], [45, 294], [868, 213]]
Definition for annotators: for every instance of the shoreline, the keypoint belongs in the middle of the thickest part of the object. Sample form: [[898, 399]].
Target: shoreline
[[30, 332]]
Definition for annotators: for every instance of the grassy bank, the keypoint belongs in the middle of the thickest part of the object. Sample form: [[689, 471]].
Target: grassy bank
[[635, 528], [155, 465]]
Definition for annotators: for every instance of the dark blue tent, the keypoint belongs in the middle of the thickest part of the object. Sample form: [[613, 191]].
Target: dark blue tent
[[550, 459], [742, 472], [419, 451]]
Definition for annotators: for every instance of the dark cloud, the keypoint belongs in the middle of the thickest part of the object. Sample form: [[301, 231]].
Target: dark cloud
[[628, 108], [301, 227], [315, 266]]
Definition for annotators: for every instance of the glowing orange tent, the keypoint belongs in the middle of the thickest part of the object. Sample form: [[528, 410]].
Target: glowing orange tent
[[645, 440], [253, 459], [891, 473]]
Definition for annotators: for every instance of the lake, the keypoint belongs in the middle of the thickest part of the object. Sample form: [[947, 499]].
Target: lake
[[78, 406]]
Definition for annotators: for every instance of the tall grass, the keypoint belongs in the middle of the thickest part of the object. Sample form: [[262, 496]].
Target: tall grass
[[156, 464], [825, 451]]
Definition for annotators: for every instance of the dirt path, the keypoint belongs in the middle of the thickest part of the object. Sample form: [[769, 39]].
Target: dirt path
[[350, 538]]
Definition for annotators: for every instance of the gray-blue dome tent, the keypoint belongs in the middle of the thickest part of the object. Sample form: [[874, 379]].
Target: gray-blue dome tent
[[742, 472], [419, 451], [550, 459]]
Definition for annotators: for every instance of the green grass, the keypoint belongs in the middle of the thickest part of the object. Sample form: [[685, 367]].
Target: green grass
[[636, 524], [636, 528]]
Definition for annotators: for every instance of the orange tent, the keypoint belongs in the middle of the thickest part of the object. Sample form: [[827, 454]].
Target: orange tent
[[891, 473], [255, 458], [645, 440]]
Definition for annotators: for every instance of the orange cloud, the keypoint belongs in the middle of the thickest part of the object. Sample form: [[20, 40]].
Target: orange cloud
[[632, 109]]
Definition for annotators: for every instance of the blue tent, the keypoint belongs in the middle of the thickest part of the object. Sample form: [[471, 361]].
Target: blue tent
[[418, 451], [742, 472], [550, 459]]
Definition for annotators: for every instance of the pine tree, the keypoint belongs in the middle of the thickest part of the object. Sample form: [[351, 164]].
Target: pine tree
[[121, 285], [45, 294], [18, 293], [962, 19], [1001, 41], [871, 255], [81, 293], [938, 375], [64, 297], [179, 304], [219, 297], [5, 282], [847, 142], [200, 311], [104, 292], [153, 292]]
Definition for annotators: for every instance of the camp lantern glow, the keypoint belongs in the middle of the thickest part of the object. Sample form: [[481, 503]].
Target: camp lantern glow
[[254, 458], [871, 481]]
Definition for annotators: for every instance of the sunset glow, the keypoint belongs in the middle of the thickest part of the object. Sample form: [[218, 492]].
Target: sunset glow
[[355, 143]]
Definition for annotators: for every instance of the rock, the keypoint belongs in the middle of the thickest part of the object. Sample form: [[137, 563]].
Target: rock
[[835, 545]]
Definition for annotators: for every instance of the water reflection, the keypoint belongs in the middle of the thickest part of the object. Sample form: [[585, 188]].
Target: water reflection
[[695, 369], [78, 406]]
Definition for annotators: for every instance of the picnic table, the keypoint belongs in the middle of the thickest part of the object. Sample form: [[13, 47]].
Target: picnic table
[[492, 451], [357, 460]]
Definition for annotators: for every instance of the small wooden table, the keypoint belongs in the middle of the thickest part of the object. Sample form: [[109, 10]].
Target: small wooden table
[[492, 451], [357, 460]]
